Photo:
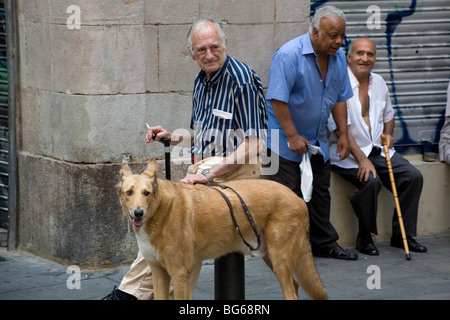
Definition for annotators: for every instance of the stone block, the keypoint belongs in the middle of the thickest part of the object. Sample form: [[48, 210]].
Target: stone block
[[292, 11], [177, 70], [435, 199], [90, 128], [151, 65], [239, 11], [171, 110], [75, 216], [103, 59], [288, 31], [171, 12], [98, 12], [33, 11], [257, 53], [71, 213], [35, 61], [100, 129], [29, 123]]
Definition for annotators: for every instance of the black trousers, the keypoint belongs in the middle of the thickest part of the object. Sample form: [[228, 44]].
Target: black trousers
[[408, 182], [323, 236]]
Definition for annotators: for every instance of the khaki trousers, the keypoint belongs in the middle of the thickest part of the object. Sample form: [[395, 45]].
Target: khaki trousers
[[139, 281]]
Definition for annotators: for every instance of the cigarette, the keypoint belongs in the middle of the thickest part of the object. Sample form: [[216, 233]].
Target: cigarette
[[148, 127]]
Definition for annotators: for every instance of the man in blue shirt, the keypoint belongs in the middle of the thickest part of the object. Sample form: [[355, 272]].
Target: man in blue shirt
[[308, 80]]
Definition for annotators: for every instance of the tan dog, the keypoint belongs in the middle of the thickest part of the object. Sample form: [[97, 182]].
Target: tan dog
[[178, 226]]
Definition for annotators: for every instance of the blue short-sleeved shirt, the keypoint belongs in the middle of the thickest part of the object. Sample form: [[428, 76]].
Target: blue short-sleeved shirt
[[295, 79]]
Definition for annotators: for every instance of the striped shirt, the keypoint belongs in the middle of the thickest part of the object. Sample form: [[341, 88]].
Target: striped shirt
[[227, 108]]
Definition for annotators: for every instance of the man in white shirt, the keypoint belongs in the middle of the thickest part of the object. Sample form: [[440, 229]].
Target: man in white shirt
[[370, 114]]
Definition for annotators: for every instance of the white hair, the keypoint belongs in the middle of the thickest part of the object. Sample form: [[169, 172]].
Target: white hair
[[199, 24], [325, 12]]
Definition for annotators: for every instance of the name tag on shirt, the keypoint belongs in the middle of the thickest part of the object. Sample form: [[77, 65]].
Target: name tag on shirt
[[222, 114]]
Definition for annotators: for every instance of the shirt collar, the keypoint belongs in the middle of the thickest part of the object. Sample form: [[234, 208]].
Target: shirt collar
[[354, 82], [307, 44], [213, 80]]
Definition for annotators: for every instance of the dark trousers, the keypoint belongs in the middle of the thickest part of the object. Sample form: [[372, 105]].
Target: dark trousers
[[408, 182], [322, 233]]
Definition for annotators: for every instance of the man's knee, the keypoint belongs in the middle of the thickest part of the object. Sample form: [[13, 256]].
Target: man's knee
[[373, 183], [367, 192], [415, 175]]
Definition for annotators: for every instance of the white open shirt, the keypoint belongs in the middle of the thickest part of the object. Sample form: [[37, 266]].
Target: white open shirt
[[380, 112]]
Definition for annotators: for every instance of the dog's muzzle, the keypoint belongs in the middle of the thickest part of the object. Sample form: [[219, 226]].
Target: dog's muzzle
[[137, 217]]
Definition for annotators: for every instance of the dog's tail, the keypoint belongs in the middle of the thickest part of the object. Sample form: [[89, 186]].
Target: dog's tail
[[307, 273]]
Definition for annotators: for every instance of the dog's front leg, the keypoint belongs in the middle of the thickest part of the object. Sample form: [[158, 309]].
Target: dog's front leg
[[180, 281], [193, 277], [161, 282]]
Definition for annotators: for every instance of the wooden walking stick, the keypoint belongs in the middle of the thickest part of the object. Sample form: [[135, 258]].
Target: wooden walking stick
[[394, 192]]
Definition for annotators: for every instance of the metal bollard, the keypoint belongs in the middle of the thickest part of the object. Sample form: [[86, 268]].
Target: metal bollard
[[229, 277]]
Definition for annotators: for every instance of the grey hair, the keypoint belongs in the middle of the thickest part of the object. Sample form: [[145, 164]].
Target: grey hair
[[325, 12], [197, 25]]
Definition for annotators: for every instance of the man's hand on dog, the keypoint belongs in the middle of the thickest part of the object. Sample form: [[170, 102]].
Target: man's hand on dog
[[194, 178]]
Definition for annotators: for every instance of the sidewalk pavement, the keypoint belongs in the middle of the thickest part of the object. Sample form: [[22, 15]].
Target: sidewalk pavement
[[425, 277]]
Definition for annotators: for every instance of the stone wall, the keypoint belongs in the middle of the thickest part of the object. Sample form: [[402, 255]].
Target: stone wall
[[88, 92], [85, 94]]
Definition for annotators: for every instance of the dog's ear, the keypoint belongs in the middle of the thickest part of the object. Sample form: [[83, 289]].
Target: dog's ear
[[152, 165], [125, 171], [152, 169]]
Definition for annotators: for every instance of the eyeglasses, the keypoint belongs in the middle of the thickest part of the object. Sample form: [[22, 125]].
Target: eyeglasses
[[203, 50]]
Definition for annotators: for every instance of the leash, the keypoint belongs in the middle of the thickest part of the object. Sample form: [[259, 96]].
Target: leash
[[247, 212]]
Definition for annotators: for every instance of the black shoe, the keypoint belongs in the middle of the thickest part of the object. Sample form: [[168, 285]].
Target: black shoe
[[413, 245], [365, 245], [336, 253], [117, 294]]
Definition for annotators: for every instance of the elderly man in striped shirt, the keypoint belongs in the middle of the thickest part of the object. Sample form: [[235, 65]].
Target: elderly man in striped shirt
[[229, 120], [229, 116]]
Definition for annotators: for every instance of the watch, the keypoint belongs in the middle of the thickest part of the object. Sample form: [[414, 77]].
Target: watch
[[205, 172]]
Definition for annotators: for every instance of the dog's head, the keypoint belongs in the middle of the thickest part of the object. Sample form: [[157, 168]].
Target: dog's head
[[138, 193]]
